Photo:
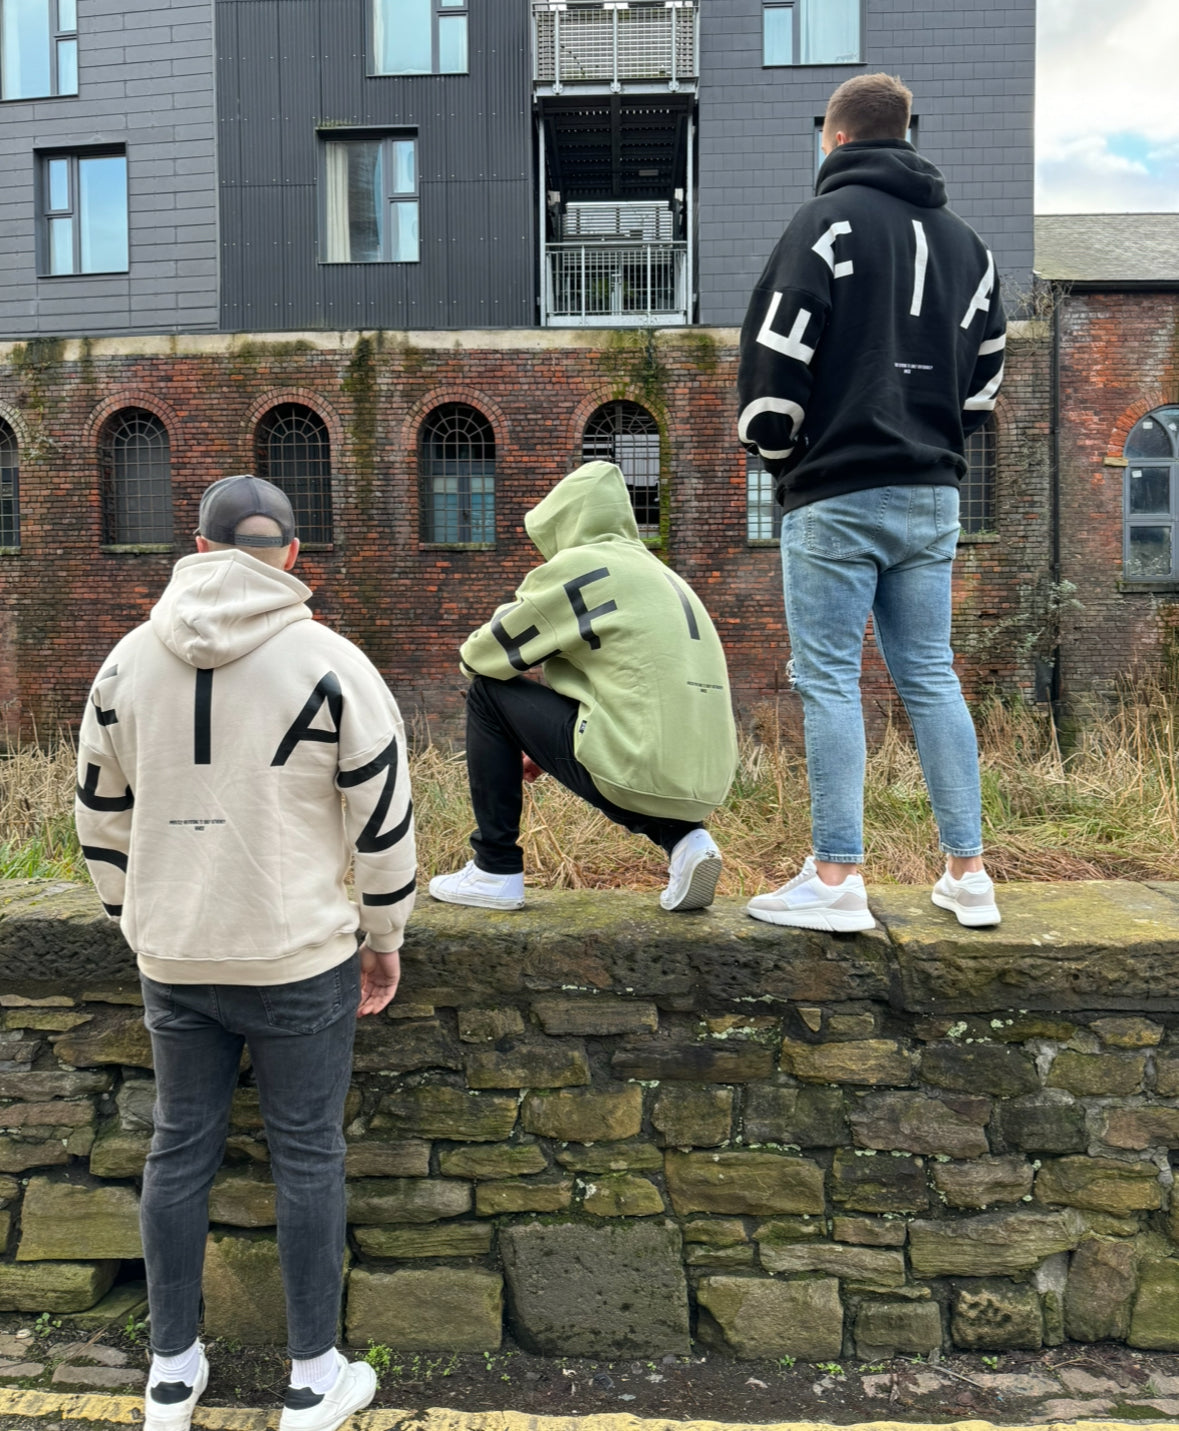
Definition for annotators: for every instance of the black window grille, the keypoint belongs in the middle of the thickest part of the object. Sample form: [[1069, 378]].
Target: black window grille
[[763, 515], [1151, 498], [627, 435], [456, 460], [135, 465], [976, 507], [292, 449], [9, 487]]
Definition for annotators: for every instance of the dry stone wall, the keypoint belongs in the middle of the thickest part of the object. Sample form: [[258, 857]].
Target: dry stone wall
[[610, 1130]]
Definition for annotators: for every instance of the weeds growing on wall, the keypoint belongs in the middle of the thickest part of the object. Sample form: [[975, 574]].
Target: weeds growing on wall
[[1106, 809]]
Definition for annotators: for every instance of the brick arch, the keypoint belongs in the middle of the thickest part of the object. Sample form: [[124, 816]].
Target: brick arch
[[16, 421], [411, 424], [604, 394], [1155, 397], [273, 398], [124, 398]]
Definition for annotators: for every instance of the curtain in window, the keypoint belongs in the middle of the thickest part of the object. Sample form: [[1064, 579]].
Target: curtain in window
[[403, 36], [338, 244], [830, 32]]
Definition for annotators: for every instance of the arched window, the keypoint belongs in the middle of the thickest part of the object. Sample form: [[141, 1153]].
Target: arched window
[[292, 449], [627, 435], [976, 510], [456, 462], [135, 464], [1151, 498], [9, 487]]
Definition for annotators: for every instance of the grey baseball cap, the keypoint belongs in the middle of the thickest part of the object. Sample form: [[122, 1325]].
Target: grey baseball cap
[[232, 499]]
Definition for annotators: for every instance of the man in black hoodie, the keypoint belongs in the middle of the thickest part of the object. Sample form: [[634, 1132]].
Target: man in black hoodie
[[873, 346]]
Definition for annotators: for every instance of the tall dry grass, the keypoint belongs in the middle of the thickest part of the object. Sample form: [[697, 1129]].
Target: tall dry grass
[[1109, 808]]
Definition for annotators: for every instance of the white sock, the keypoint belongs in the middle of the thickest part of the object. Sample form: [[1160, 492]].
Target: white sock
[[176, 1368], [318, 1373]]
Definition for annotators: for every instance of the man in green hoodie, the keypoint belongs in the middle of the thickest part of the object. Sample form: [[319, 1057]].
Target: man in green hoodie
[[635, 716]]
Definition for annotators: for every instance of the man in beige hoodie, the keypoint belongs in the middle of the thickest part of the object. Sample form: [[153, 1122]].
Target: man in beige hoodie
[[235, 758]]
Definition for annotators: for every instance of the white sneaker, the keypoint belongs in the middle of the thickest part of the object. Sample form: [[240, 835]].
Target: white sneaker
[[807, 903], [471, 885], [694, 870], [972, 898], [353, 1389], [168, 1406]]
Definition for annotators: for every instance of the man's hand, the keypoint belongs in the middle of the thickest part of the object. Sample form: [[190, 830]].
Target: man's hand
[[379, 976], [532, 771]]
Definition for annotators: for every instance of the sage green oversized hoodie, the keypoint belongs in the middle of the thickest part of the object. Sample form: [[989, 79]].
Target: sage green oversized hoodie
[[629, 641]]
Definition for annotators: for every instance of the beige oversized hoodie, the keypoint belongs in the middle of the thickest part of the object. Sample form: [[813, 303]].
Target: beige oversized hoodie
[[217, 742]]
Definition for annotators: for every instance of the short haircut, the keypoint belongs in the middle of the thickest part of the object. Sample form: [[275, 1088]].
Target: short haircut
[[870, 107]]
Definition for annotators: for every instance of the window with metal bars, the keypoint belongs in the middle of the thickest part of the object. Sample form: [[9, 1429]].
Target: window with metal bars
[[292, 449], [9, 487], [456, 463], [976, 505], [135, 468], [763, 515], [1151, 498], [627, 435]]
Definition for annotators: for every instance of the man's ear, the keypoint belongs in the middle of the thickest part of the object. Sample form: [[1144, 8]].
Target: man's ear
[[292, 554], [202, 543]]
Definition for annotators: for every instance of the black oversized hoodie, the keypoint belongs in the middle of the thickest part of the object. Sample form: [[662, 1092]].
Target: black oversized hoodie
[[873, 344]]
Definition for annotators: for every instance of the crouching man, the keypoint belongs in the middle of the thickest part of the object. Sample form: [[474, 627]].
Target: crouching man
[[635, 716], [217, 743]]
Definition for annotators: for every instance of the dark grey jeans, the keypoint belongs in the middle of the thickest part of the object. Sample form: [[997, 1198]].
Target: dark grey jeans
[[300, 1041]]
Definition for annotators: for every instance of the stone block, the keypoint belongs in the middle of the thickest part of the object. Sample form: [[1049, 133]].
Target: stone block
[[489, 1025], [5, 1231], [725, 1259], [492, 1199], [430, 1111], [53, 1083], [1099, 1185], [592, 1116], [242, 1288], [875, 1267], [20, 1370], [1139, 1128], [1001, 1070], [378, 1158], [757, 1183], [528, 1064], [403, 1045], [242, 1198], [1154, 1323], [758, 1317], [245, 1112], [615, 1290], [1043, 1123], [98, 1378], [1128, 1032], [735, 1061], [125, 1299], [136, 1102], [451, 1309], [804, 1117], [992, 1318], [1099, 1291], [119, 1154], [716, 1231], [54, 1114], [995, 1244], [869, 1231], [780, 1230], [9, 1188], [873, 1183], [622, 1195], [984, 1181], [1166, 1075], [45, 1020], [612, 1158], [865, 1061], [913, 1123], [54, 1286], [1097, 1075], [505, 1160], [72, 1222], [439, 1239], [598, 1017], [888, 1329], [18, 1155], [852, 1026], [407, 1199], [689, 1116], [111, 1038]]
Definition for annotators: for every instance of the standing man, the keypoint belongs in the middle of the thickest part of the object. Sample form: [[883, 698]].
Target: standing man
[[873, 346], [234, 758]]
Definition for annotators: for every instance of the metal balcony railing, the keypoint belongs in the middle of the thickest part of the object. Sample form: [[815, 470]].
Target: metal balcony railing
[[600, 284], [611, 43]]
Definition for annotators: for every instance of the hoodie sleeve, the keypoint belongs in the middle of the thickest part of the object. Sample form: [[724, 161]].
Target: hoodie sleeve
[[783, 328], [987, 376], [523, 633], [103, 797], [373, 777]]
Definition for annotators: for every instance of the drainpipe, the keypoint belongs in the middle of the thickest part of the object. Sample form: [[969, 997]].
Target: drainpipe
[[1054, 673]]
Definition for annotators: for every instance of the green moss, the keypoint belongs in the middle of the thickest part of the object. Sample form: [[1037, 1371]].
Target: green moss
[[252, 350], [360, 384], [702, 349]]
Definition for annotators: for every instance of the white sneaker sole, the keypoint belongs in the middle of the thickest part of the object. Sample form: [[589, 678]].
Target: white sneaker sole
[[175, 1418], [476, 901], [976, 916], [830, 921], [701, 887], [329, 1415]]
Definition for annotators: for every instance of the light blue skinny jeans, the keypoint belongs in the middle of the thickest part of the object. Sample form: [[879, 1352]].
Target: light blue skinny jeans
[[888, 551]]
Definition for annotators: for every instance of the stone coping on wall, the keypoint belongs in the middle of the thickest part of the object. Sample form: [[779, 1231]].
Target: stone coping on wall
[[1093, 944]]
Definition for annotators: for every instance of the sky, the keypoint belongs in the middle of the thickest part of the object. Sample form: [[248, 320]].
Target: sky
[[1107, 106]]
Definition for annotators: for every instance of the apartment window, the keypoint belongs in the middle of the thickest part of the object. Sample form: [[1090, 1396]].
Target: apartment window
[[292, 449], [456, 461], [135, 467], [627, 435], [1151, 498], [9, 487], [976, 506], [763, 515], [811, 32], [371, 199], [420, 37], [38, 48], [84, 213]]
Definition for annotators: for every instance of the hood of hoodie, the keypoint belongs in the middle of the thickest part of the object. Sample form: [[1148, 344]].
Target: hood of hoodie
[[592, 504], [221, 605], [889, 164]]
